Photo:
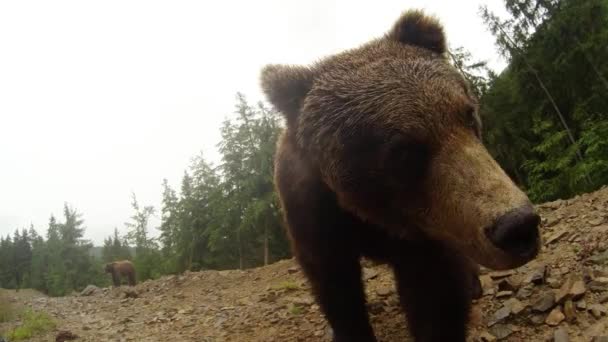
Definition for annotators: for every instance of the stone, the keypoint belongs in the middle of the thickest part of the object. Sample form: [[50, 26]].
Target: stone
[[508, 284], [319, 333], [129, 293], [587, 275], [599, 259], [596, 221], [552, 221], [544, 303], [556, 316], [514, 305], [304, 300], [581, 305], [556, 236], [476, 316], [598, 284], [598, 273], [65, 335], [578, 289], [384, 291], [501, 274], [292, 270], [560, 335], [501, 331], [553, 283], [574, 237], [268, 297], [595, 330], [37, 300], [569, 311], [525, 292], [504, 294], [600, 339], [597, 310], [500, 315], [369, 273], [603, 298], [393, 301], [563, 291], [537, 319], [601, 229], [486, 337], [555, 204], [537, 275], [375, 308], [486, 284], [89, 290]]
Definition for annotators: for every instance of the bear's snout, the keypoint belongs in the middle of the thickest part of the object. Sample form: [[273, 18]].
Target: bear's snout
[[516, 233]]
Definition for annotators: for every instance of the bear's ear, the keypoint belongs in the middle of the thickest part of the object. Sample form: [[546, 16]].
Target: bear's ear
[[416, 28], [286, 87]]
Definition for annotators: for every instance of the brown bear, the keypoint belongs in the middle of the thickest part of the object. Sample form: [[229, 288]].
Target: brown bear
[[382, 158], [120, 269]]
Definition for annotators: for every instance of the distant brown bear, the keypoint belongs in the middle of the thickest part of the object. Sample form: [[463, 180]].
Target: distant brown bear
[[382, 157], [120, 269]]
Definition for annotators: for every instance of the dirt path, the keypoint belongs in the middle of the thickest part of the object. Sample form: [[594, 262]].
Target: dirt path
[[273, 303]]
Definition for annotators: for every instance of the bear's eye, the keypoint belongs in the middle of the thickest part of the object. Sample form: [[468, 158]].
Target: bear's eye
[[408, 157]]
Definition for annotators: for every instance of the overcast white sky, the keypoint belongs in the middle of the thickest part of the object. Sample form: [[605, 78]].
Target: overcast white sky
[[99, 99]]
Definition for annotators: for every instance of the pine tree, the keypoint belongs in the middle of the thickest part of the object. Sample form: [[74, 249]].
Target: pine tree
[[545, 115], [147, 256], [39, 263], [7, 262]]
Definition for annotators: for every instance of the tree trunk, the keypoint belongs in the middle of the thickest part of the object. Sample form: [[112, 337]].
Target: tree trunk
[[190, 257], [593, 66], [240, 247], [266, 245], [549, 97]]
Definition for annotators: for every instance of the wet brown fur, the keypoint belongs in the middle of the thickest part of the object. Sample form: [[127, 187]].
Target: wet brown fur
[[120, 269], [382, 158]]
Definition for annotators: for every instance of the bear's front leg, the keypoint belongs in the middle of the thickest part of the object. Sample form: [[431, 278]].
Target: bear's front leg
[[336, 283], [115, 278], [434, 285]]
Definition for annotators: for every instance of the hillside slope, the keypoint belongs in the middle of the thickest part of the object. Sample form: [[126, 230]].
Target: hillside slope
[[560, 295]]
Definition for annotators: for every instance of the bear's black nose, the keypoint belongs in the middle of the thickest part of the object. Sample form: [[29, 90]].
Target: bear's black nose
[[516, 232]]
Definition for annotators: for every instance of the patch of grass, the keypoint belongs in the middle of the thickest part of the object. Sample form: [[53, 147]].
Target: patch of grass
[[7, 312], [287, 285], [32, 323], [295, 309]]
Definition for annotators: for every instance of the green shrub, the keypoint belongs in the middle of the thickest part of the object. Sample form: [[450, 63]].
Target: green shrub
[[32, 323], [287, 286]]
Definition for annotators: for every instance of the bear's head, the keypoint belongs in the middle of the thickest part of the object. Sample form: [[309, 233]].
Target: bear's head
[[393, 130], [109, 267]]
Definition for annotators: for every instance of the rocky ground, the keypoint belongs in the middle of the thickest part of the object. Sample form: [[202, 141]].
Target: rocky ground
[[561, 296]]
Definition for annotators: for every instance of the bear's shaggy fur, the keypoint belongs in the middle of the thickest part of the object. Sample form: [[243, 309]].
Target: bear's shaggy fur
[[120, 269], [382, 158]]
